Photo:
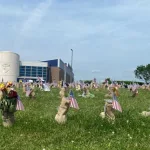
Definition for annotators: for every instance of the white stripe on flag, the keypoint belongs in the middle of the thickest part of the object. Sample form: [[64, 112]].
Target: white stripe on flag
[[116, 105], [73, 103], [19, 105]]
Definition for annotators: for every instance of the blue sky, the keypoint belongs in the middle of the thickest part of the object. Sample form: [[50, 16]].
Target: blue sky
[[109, 37]]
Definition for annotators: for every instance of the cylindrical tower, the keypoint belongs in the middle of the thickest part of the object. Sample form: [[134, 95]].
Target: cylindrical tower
[[9, 66]]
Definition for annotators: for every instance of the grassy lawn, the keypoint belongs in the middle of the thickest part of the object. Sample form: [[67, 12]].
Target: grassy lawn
[[36, 129]]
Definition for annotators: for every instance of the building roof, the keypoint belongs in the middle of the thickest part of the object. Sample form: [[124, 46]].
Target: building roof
[[9, 52]]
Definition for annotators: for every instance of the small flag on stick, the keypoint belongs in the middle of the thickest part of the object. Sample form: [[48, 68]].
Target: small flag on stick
[[116, 104], [19, 105], [73, 103]]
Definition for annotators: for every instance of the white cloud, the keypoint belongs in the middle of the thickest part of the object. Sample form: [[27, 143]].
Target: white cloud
[[36, 16], [95, 71], [31, 24]]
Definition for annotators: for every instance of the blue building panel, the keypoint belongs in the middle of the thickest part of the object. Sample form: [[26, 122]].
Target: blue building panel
[[52, 63], [61, 64]]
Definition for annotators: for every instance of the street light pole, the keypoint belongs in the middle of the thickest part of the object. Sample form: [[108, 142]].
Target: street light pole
[[71, 65]]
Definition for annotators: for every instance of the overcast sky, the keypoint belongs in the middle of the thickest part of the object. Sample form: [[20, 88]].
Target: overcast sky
[[109, 37]]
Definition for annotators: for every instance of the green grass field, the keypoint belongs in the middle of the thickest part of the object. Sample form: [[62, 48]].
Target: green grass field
[[36, 129]]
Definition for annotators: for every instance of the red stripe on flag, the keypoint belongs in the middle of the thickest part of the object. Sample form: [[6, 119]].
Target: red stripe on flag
[[19, 105], [73, 103], [116, 105]]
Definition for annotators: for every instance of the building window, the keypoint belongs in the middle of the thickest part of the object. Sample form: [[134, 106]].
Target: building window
[[44, 75], [28, 67], [39, 74], [40, 69], [33, 74], [22, 74], [23, 67], [34, 69], [28, 74], [44, 69], [28, 70], [44, 72], [22, 71]]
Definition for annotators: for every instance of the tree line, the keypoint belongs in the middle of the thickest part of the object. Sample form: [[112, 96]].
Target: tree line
[[142, 73]]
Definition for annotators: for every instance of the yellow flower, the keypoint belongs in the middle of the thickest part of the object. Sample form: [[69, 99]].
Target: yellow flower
[[9, 84], [2, 86]]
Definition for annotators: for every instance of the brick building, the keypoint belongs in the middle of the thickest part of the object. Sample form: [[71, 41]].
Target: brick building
[[58, 70]]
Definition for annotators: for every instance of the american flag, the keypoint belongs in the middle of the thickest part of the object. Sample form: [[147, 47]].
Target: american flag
[[28, 91], [116, 104], [73, 103], [39, 78], [19, 104], [134, 87], [81, 85], [64, 84]]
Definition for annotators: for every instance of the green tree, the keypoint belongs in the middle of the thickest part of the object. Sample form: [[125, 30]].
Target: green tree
[[143, 73], [109, 81], [87, 81]]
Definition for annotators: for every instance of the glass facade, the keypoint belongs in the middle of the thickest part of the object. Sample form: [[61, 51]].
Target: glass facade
[[32, 71]]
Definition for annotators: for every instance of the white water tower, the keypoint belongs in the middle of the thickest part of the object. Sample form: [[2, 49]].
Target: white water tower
[[9, 66]]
